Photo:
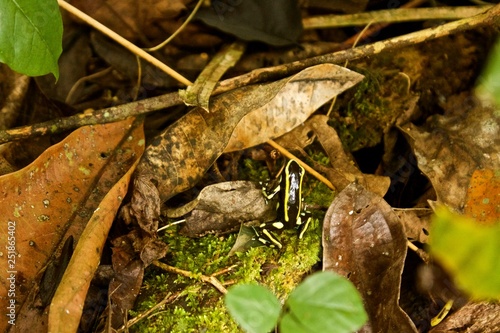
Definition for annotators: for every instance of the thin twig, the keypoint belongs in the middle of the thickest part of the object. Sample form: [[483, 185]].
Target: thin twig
[[392, 16], [313, 172], [421, 253], [103, 116], [122, 41], [366, 33], [190, 17], [207, 279], [167, 299]]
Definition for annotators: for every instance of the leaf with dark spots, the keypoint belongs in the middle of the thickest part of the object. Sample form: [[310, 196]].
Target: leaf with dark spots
[[53, 198], [364, 241], [71, 293]]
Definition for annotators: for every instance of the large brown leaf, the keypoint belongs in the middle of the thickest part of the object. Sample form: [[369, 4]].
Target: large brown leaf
[[178, 158], [303, 94], [364, 241], [51, 200]]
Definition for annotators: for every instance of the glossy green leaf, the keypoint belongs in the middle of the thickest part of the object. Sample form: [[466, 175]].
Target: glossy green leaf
[[324, 302], [488, 83], [253, 307], [31, 36], [469, 251]]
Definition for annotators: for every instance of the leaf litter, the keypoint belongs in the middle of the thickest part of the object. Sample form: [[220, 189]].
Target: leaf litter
[[457, 145]]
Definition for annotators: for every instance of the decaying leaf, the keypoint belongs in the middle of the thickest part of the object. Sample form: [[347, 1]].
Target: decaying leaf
[[416, 223], [275, 22], [304, 93], [178, 158], [52, 199], [222, 207], [364, 241], [452, 147], [344, 169], [128, 274]]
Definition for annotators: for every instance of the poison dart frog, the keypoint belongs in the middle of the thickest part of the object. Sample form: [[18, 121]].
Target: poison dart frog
[[290, 214]]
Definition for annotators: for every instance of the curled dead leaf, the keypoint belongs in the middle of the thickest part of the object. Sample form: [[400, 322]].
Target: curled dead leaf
[[224, 206]]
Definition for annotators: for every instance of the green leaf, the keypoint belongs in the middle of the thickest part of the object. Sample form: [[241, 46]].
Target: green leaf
[[253, 307], [488, 83], [31, 36], [469, 251], [324, 302]]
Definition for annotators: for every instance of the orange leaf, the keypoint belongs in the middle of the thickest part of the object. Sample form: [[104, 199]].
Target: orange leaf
[[483, 196], [52, 199], [67, 304]]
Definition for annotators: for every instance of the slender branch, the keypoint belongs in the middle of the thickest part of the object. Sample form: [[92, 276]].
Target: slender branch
[[207, 279], [290, 156], [108, 115], [169, 39], [166, 300]]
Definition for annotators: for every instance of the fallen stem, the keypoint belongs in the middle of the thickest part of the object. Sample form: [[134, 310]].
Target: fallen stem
[[167, 299], [392, 16], [291, 156], [488, 18], [169, 39], [207, 279], [103, 116]]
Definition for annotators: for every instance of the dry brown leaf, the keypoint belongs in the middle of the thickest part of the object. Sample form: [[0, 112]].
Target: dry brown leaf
[[452, 147], [67, 304], [364, 241], [303, 94], [416, 222], [344, 168], [178, 158], [53, 198], [132, 19]]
